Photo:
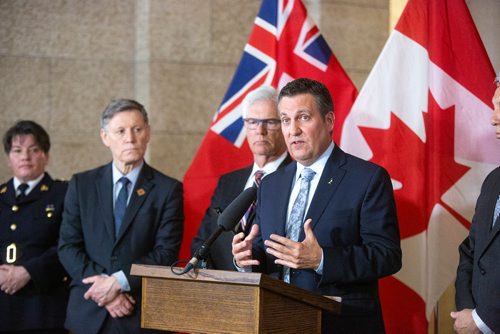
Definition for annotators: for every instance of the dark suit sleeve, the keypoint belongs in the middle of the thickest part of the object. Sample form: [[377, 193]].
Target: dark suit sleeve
[[71, 250], [463, 283], [169, 234], [478, 272], [378, 252], [209, 220]]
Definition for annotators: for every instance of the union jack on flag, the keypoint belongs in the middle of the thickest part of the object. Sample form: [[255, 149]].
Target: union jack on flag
[[284, 44]]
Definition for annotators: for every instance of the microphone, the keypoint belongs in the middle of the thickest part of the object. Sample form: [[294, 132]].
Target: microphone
[[228, 219]]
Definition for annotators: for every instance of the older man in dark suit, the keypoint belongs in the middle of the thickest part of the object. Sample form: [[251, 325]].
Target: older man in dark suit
[[122, 213], [478, 275], [265, 139], [350, 237]]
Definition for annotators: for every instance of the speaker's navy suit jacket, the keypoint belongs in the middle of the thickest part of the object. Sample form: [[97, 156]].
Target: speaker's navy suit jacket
[[354, 220], [230, 185], [151, 233], [478, 275]]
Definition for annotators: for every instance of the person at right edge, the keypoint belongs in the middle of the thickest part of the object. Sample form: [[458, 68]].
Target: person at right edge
[[327, 222], [477, 286]]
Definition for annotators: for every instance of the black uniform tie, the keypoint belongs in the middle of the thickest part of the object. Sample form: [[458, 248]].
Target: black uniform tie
[[22, 191]]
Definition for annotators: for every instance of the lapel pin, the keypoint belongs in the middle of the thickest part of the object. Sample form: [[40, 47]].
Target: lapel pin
[[141, 192], [50, 207], [3, 190], [44, 187], [330, 181]]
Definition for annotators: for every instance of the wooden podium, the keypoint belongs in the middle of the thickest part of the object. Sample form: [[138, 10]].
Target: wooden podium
[[215, 301]]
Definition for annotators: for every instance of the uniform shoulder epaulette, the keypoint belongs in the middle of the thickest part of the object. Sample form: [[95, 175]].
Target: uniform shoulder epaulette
[[3, 188]]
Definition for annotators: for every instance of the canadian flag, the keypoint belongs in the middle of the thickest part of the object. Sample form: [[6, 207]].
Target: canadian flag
[[423, 113]]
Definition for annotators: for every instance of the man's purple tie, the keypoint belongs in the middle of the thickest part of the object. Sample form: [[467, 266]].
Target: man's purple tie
[[257, 177]]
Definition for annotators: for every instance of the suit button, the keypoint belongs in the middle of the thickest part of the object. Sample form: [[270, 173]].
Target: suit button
[[15, 208], [13, 227], [481, 268]]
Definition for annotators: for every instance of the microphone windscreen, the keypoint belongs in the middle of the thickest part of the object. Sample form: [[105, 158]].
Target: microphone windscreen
[[238, 207]]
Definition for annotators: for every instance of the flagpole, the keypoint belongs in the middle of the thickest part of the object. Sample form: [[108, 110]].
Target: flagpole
[[395, 9]]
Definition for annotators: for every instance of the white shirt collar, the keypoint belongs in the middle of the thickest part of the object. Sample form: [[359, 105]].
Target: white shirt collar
[[319, 164], [133, 175], [31, 184], [268, 168]]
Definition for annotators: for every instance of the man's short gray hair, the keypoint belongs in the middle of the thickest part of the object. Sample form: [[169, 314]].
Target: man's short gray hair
[[263, 93], [120, 105]]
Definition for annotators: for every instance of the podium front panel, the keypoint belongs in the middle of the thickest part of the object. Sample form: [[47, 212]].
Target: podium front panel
[[187, 307]]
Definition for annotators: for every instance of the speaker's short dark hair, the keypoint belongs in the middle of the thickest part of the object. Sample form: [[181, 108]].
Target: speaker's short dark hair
[[308, 86]]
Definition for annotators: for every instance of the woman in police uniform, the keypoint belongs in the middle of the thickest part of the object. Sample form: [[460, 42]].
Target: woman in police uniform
[[33, 283]]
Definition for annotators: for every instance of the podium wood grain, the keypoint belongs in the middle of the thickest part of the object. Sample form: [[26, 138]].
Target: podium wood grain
[[214, 301]]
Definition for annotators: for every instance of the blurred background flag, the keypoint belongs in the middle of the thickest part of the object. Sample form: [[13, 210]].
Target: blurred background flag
[[423, 113], [284, 44]]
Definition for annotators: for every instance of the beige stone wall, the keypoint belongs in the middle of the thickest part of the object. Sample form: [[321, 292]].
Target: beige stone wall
[[62, 61]]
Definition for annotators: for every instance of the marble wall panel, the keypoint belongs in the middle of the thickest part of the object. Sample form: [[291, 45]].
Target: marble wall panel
[[73, 153], [81, 89], [355, 34], [232, 23], [184, 97], [180, 30], [172, 153], [24, 92], [356, 3], [69, 29]]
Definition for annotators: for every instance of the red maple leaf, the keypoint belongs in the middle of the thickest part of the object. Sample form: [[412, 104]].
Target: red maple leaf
[[426, 170]]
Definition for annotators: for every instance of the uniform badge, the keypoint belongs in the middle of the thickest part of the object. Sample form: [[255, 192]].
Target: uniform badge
[[11, 253], [141, 192], [44, 187], [49, 209]]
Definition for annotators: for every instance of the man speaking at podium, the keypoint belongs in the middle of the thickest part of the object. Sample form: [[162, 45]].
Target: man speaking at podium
[[265, 139], [326, 223]]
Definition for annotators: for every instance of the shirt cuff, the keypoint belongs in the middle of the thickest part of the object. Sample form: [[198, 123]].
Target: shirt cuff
[[241, 270], [480, 323], [122, 280], [319, 270]]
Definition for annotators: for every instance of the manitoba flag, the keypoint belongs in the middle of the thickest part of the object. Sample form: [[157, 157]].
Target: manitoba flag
[[284, 44], [423, 114]]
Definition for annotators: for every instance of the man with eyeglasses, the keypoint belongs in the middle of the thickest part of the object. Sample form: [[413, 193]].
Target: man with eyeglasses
[[265, 139], [478, 275]]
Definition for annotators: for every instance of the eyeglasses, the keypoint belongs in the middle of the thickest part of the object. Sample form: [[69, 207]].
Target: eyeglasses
[[269, 123]]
